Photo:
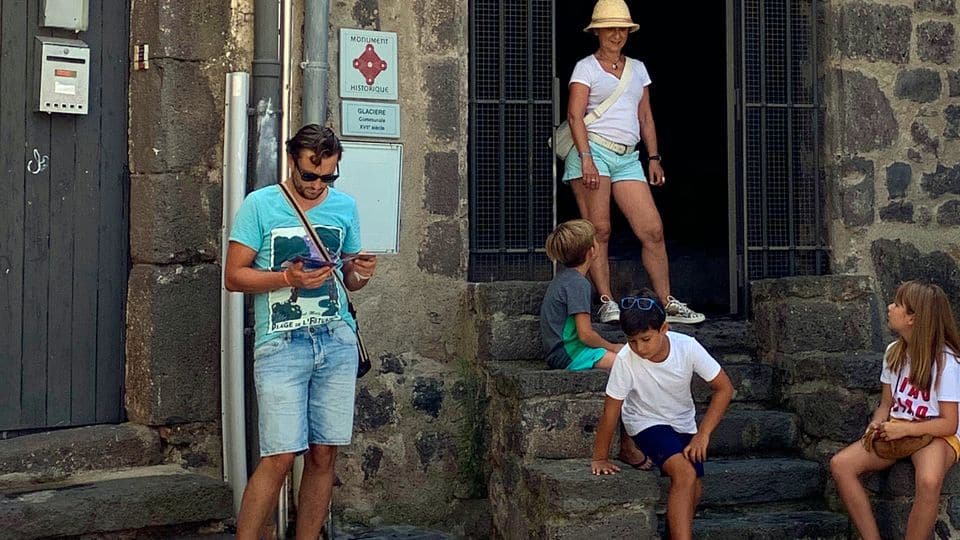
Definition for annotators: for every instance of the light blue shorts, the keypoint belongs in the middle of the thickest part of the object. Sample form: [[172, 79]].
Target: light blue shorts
[[306, 381], [608, 162]]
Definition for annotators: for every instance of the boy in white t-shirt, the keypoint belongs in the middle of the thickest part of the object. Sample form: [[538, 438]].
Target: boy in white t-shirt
[[649, 387]]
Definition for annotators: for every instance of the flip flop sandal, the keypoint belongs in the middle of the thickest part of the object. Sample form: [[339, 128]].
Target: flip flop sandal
[[645, 465]]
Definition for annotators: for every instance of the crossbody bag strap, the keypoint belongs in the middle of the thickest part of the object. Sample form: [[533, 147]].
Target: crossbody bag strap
[[617, 92]]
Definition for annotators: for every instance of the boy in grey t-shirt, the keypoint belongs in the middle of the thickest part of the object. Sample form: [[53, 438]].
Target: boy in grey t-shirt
[[569, 339]]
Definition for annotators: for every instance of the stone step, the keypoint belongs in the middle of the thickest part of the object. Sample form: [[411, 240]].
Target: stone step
[[163, 497], [566, 486], [522, 380], [561, 427], [770, 525], [57, 454], [719, 336]]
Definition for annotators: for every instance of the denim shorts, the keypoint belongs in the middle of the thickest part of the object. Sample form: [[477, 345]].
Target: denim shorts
[[661, 442], [306, 381], [608, 162]]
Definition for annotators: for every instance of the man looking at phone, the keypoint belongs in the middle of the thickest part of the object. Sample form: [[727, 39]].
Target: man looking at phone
[[305, 353]]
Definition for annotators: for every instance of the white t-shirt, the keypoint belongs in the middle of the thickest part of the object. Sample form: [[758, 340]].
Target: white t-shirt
[[620, 123], [909, 403], [656, 393]]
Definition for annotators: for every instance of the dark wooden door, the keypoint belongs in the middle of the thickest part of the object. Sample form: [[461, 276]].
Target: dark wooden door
[[64, 254]]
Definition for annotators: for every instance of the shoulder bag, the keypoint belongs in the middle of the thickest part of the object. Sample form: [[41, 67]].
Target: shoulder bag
[[363, 357], [565, 136]]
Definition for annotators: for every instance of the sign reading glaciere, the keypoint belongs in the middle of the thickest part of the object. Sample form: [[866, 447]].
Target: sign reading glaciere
[[368, 64], [368, 119]]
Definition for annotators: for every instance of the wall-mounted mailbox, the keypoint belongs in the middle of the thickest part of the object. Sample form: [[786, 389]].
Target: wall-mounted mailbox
[[63, 69], [69, 14]]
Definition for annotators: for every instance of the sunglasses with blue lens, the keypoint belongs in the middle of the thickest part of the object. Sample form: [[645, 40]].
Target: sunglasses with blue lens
[[639, 302]]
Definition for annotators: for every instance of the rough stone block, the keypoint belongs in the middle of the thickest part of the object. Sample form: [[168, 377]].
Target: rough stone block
[[810, 325], [898, 212], [874, 32], [635, 523], [508, 297], [857, 200], [566, 486], [898, 481], [175, 130], [898, 261], [858, 370], [510, 338], [751, 382], [366, 13], [921, 135], [719, 336], [441, 249], [59, 453], [952, 117], [173, 344], [949, 214], [175, 218], [942, 7], [192, 30], [935, 41], [441, 171], [942, 181], [921, 85], [953, 80], [832, 413], [729, 482], [771, 524], [899, 176], [522, 380], [744, 432], [442, 89], [146, 497], [864, 119]]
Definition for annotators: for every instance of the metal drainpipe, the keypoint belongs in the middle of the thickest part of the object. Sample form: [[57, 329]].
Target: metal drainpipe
[[316, 70], [266, 92]]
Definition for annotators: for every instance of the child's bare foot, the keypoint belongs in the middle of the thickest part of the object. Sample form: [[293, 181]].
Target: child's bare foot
[[635, 459]]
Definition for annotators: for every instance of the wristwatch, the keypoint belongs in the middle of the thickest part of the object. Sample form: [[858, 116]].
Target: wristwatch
[[655, 157]]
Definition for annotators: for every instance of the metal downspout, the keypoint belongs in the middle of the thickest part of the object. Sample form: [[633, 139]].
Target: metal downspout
[[316, 69], [266, 92]]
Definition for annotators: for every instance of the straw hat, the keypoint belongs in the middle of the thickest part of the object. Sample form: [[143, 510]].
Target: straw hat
[[611, 14]]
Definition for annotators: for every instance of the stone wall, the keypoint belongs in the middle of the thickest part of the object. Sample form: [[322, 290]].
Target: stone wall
[[892, 96], [415, 456], [176, 136]]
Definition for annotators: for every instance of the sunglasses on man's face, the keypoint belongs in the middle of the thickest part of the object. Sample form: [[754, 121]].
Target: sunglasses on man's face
[[639, 302], [313, 177]]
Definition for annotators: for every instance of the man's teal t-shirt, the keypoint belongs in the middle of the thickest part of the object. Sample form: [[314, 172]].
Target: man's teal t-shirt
[[268, 225]]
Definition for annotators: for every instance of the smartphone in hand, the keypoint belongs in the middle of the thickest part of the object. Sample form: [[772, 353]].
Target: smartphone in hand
[[310, 264]]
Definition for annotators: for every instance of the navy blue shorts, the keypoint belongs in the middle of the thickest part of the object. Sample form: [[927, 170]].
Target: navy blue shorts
[[661, 442]]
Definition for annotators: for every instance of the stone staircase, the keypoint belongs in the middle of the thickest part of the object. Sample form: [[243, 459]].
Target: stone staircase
[[543, 424], [104, 481]]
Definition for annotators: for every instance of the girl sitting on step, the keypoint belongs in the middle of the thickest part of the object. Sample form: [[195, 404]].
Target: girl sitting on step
[[920, 392]]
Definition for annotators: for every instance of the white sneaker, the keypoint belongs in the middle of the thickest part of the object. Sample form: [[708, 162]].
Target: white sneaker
[[609, 311], [678, 312]]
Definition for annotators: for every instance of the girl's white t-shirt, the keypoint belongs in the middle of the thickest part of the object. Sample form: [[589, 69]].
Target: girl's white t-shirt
[[909, 402], [658, 393], [620, 123]]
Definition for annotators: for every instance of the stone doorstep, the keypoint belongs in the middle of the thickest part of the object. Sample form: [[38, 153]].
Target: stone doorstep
[[565, 428], [523, 380], [56, 454], [566, 486], [127, 500], [856, 370], [747, 525]]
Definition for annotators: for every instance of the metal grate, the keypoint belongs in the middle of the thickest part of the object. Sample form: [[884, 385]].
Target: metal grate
[[511, 117], [781, 179]]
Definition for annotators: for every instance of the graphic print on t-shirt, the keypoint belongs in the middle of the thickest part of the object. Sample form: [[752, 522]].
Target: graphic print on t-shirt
[[909, 399], [295, 308]]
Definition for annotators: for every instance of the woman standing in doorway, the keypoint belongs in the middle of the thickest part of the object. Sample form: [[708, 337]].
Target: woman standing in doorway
[[604, 159]]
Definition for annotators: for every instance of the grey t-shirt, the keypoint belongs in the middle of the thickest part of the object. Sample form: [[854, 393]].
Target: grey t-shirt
[[567, 295]]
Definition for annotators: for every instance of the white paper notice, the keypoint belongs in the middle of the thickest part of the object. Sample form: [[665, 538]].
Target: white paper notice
[[69, 89]]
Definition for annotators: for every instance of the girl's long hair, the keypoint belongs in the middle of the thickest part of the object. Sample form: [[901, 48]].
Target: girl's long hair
[[934, 329]]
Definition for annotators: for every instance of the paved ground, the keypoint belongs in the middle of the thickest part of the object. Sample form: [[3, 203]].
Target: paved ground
[[401, 532]]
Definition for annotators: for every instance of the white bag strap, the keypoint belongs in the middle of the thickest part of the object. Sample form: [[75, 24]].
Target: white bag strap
[[617, 92]]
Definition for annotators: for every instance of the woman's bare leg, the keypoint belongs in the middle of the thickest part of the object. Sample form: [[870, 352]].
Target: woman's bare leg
[[636, 202], [594, 205]]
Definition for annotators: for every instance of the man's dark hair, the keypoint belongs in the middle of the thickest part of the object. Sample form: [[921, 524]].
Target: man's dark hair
[[634, 319], [321, 140]]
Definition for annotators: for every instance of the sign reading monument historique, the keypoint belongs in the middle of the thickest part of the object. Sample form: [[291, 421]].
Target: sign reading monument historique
[[368, 64]]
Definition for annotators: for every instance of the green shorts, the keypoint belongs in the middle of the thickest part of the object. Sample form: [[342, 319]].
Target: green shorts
[[581, 356]]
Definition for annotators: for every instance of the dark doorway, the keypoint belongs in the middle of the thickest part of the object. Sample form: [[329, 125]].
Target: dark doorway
[[64, 240], [685, 52]]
